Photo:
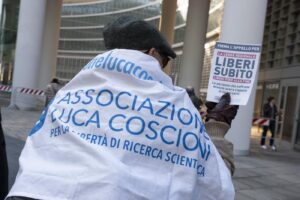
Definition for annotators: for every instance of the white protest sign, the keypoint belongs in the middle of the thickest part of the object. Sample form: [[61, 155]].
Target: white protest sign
[[233, 70]]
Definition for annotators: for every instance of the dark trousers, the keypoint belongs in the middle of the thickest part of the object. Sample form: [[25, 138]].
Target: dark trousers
[[3, 165], [264, 133]]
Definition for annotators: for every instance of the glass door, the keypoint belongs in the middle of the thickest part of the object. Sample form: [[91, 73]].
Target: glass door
[[289, 106], [297, 140], [289, 112]]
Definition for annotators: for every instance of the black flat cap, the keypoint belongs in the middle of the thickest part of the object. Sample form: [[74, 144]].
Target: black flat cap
[[128, 32]]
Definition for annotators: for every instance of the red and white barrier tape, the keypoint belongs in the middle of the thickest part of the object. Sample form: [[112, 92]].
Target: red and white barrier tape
[[8, 88], [32, 91], [5, 88], [261, 121]]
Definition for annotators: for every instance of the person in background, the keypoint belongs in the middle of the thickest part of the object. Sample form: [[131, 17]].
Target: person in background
[[3, 164], [52, 89], [270, 112], [218, 122]]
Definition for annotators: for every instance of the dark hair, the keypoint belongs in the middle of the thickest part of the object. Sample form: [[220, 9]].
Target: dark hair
[[54, 80], [196, 101], [190, 90], [270, 98]]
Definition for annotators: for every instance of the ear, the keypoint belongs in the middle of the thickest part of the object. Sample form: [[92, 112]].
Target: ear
[[153, 52]]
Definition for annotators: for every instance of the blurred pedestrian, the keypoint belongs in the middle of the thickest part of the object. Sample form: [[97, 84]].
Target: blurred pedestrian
[[52, 89], [3, 164], [269, 112]]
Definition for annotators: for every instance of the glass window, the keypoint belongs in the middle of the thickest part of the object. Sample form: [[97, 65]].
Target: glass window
[[8, 35], [258, 100]]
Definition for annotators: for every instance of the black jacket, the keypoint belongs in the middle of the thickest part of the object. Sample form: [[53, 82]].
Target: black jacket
[[269, 112], [3, 165]]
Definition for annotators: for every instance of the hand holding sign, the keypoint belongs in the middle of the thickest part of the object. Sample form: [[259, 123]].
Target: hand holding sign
[[222, 111]]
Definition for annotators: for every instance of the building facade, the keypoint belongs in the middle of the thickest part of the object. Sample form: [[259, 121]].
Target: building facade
[[82, 25], [9, 13], [279, 74]]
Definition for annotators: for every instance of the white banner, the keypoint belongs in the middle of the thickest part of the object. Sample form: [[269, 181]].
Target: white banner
[[121, 130], [233, 70]]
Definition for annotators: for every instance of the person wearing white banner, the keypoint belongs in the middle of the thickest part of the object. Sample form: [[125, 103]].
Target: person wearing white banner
[[121, 130]]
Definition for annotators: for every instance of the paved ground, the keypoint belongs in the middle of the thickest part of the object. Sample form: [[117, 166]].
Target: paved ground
[[268, 175], [264, 175], [13, 147]]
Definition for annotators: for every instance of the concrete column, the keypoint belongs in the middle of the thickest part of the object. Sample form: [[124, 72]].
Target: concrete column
[[36, 46], [167, 24], [28, 51], [243, 23], [50, 42], [194, 42]]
